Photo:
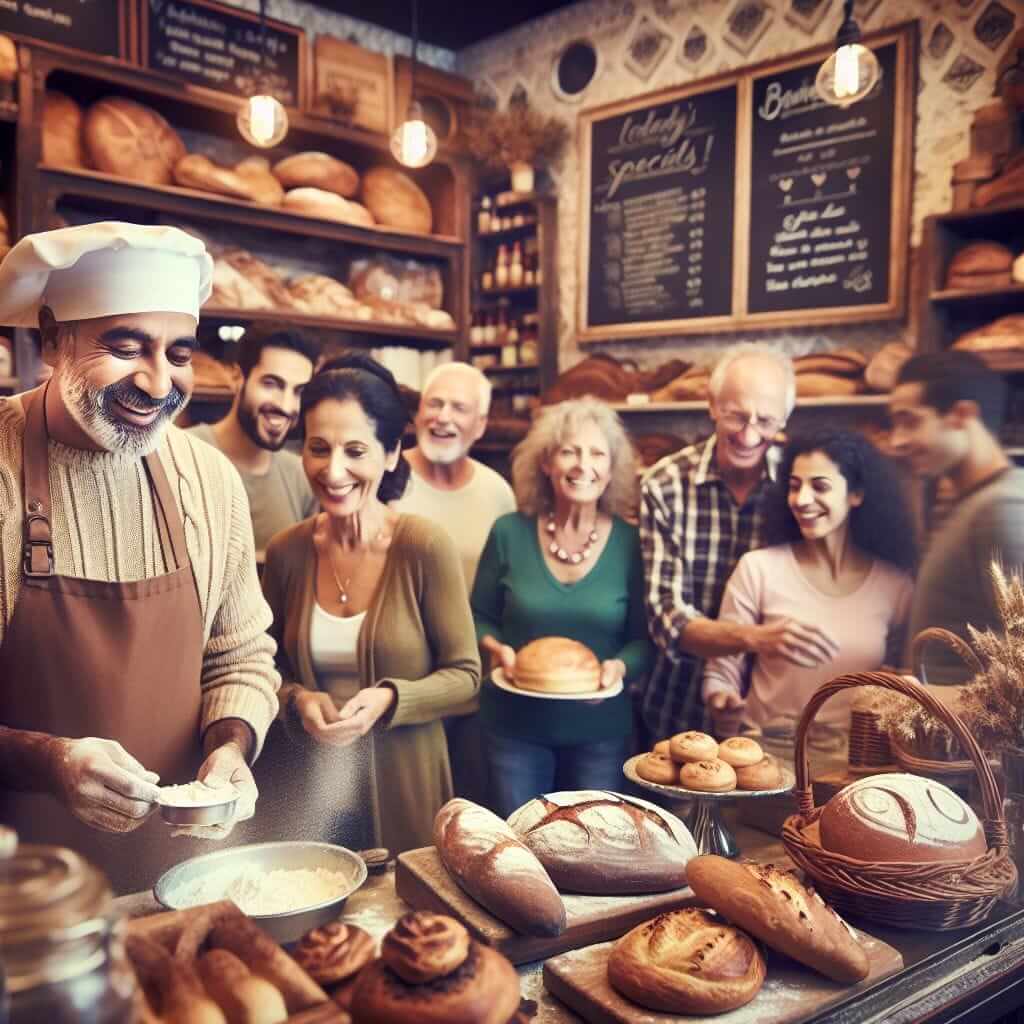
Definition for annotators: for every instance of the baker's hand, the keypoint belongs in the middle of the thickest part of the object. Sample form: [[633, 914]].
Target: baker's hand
[[358, 715], [225, 766], [798, 642], [502, 656], [316, 711], [613, 671], [726, 710], [102, 784]]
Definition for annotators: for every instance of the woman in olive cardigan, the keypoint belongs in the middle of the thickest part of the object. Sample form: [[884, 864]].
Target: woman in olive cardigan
[[416, 650]]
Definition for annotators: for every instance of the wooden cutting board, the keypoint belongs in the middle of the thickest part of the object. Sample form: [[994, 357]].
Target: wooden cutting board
[[791, 992], [422, 881]]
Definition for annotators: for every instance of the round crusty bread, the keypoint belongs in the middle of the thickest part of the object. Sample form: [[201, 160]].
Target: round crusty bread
[[659, 768], [980, 258], [62, 131], [594, 841], [1006, 332], [740, 751], [708, 776], [197, 171], [686, 747], [132, 141], [556, 664], [264, 188], [317, 170], [397, 201], [686, 961], [777, 908], [823, 385], [316, 202], [484, 989], [900, 817], [766, 774]]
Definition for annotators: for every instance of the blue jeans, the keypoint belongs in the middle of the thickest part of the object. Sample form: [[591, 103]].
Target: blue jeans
[[520, 770]]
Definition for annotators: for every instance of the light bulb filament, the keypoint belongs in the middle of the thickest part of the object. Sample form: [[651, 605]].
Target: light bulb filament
[[847, 71], [261, 117]]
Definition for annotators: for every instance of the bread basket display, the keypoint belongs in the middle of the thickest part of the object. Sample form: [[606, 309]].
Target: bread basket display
[[935, 896]]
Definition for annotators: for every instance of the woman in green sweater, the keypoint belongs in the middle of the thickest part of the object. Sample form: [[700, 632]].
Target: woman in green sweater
[[375, 637], [566, 564]]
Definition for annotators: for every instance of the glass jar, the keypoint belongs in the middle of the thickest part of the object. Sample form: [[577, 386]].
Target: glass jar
[[60, 943]]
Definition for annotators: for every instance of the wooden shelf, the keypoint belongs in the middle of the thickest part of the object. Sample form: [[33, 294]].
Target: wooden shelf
[[422, 337], [956, 297], [513, 232], [190, 203], [497, 293], [828, 402]]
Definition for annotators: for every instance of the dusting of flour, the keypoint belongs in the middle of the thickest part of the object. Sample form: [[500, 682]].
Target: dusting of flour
[[257, 891]]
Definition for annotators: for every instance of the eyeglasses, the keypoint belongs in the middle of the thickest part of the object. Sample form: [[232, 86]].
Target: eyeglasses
[[767, 426]]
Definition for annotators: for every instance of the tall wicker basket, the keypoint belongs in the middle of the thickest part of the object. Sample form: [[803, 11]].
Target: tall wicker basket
[[933, 896]]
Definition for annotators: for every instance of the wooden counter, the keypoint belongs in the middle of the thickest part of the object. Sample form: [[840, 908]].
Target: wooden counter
[[966, 977]]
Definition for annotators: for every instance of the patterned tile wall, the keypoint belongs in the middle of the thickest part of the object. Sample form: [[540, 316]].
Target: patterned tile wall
[[644, 45]]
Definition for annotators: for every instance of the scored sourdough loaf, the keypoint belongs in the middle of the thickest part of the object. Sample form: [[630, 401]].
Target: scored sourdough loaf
[[487, 859], [397, 201], [686, 961], [132, 141], [774, 906], [593, 841], [62, 131]]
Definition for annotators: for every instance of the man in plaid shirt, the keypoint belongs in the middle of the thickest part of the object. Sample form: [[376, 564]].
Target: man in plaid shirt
[[700, 511]]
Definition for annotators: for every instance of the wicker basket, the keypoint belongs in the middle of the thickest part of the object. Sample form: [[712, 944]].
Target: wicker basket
[[932, 896]]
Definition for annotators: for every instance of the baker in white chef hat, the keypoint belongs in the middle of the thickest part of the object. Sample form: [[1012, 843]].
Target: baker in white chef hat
[[133, 650]]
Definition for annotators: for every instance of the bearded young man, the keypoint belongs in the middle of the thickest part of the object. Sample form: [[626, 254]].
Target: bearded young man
[[276, 364], [133, 645]]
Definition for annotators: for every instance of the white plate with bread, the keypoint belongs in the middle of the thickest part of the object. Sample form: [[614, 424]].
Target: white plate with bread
[[503, 683]]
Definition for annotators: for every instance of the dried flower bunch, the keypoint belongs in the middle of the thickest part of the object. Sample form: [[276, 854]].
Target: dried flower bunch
[[992, 704], [518, 134]]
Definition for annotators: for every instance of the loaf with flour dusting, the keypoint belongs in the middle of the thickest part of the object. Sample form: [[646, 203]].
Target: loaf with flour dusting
[[594, 841], [497, 869]]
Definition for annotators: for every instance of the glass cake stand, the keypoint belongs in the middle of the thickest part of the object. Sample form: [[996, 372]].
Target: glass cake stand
[[704, 821]]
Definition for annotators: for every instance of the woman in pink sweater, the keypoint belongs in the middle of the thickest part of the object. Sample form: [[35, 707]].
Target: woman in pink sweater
[[839, 552]]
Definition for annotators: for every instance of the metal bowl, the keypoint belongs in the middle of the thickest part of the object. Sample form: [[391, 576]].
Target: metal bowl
[[206, 814], [286, 927]]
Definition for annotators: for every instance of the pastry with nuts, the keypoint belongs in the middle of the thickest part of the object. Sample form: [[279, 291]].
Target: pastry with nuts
[[334, 952]]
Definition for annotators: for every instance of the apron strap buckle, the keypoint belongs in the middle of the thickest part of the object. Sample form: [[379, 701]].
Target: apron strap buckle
[[38, 550]]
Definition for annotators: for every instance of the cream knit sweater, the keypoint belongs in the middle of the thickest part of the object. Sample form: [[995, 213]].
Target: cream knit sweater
[[104, 529]]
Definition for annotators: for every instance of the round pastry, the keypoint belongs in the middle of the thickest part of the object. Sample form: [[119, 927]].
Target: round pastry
[[334, 952], [424, 946], [556, 664], [740, 751], [766, 774], [658, 768], [688, 962], [132, 141], [708, 776], [685, 747], [663, 747], [898, 817], [317, 170], [316, 202], [484, 989]]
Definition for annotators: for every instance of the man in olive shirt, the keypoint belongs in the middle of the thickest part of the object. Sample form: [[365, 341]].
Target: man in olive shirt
[[276, 364], [946, 412]]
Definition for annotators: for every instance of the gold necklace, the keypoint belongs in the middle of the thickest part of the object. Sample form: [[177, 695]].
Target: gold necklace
[[343, 587]]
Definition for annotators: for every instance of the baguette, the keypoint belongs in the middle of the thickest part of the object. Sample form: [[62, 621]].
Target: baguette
[[244, 998], [489, 861], [265, 958]]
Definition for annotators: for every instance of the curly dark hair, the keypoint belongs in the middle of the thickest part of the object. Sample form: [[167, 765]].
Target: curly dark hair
[[880, 526], [360, 377]]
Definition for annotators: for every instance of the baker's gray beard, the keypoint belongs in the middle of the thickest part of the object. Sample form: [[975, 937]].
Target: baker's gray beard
[[444, 455], [90, 408]]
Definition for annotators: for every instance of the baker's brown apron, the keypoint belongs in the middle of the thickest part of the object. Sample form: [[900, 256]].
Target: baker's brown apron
[[120, 661]]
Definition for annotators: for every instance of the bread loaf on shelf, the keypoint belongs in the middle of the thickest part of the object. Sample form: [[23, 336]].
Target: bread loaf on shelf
[[1005, 333], [885, 366], [197, 171], [320, 295], [826, 385], [605, 843], [62, 131], [842, 363], [395, 200], [233, 290], [317, 170], [979, 265], [777, 908], [316, 202], [261, 275], [487, 859], [132, 141], [263, 187]]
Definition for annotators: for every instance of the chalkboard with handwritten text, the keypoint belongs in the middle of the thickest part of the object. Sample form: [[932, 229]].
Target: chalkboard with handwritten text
[[745, 201], [91, 26], [217, 47]]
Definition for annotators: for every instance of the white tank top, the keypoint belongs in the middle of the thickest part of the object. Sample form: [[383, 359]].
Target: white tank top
[[333, 643]]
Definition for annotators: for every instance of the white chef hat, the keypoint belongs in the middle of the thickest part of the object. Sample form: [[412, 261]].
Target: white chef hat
[[106, 269]]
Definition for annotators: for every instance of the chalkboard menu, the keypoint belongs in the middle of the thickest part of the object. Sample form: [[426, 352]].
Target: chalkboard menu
[[657, 179], [821, 197], [745, 201], [218, 47], [94, 26]]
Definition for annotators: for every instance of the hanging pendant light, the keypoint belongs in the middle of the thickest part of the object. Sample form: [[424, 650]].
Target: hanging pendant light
[[414, 143], [852, 70], [262, 119]]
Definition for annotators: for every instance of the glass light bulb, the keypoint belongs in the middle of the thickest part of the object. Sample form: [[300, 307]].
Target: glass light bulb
[[414, 143], [848, 75], [847, 71], [263, 121]]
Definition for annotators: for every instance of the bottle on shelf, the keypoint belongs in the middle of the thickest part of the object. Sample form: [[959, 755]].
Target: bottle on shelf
[[483, 217], [529, 274], [490, 329], [487, 279], [476, 330], [501, 268], [501, 327], [512, 334], [506, 223], [515, 268]]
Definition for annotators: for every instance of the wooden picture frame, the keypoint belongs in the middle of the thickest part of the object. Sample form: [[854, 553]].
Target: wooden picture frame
[[362, 82], [752, 217], [452, 94]]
